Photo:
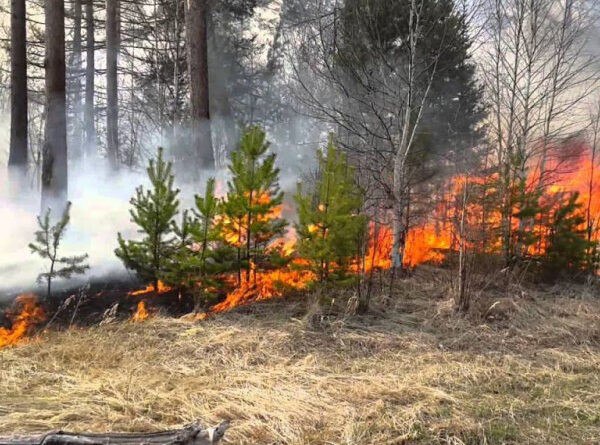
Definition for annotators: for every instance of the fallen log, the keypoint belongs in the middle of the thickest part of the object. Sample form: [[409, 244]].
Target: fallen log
[[193, 434]]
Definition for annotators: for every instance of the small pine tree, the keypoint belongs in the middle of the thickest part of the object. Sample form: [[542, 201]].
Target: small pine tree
[[567, 242], [46, 245], [199, 255], [153, 212], [330, 226], [250, 220]]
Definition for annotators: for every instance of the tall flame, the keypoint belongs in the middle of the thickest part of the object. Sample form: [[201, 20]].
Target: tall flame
[[141, 313], [25, 314]]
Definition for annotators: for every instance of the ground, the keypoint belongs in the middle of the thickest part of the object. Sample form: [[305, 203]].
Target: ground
[[286, 372]]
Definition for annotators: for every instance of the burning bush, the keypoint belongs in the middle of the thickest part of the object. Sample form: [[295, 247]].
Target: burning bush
[[25, 314]]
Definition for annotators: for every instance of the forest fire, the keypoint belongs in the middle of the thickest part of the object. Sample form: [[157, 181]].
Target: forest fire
[[25, 314], [430, 238], [141, 313]]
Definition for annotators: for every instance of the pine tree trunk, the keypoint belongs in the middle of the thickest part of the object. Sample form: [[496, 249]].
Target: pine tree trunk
[[77, 139], [112, 93], [90, 72], [18, 83], [196, 30], [54, 167]]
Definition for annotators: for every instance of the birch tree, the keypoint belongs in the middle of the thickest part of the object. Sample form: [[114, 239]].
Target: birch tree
[[380, 72]]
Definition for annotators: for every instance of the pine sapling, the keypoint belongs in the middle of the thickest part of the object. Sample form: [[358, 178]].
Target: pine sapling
[[200, 255], [153, 212], [330, 225], [251, 219], [46, 245]]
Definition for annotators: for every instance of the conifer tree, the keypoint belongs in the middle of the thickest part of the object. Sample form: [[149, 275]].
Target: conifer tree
[[567, 241], [46, 245], [199, 255], [153, 212], [250, 212], [330, 226]]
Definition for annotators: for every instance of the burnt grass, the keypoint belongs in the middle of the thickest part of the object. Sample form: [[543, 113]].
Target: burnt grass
[[88, 303]]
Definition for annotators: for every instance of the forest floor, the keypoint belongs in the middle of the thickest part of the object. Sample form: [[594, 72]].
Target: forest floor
[[286, 372]]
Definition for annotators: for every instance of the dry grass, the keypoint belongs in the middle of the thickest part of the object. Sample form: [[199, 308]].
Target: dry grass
[[411, 373]]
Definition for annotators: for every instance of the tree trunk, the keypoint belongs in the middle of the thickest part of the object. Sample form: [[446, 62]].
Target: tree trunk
[[90, 72], [54, 167], [196, 30], [400, 204], [18, 83], [76, 151], [463, 297], [112, 93]]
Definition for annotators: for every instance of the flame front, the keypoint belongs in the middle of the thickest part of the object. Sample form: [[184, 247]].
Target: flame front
[[429, 239], [264, 285], [25, 314]]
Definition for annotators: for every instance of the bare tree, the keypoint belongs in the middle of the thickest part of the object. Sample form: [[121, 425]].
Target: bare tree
[[76, 141], [592, 220], [377, 90], [537, 74]]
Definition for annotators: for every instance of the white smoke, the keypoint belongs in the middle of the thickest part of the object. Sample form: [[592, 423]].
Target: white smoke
[[100, 210]]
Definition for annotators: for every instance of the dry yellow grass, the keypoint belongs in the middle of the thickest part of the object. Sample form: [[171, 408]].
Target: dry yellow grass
[[414, 373]]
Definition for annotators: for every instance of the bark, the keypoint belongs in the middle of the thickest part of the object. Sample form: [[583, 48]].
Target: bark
[[112, 93], [54, 166], [18, 81], [196, 31], [90, 72], [193, 434], [77, 146], [463, 297]]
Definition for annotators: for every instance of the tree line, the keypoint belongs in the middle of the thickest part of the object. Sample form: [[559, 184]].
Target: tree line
[[478, 110]]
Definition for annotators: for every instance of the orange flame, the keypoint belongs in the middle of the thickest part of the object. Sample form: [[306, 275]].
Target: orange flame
[[235, 230], [286, 245], [29, 315], [264, 285], [162, 289], [141, 313], [427, 244], [378, 255]]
